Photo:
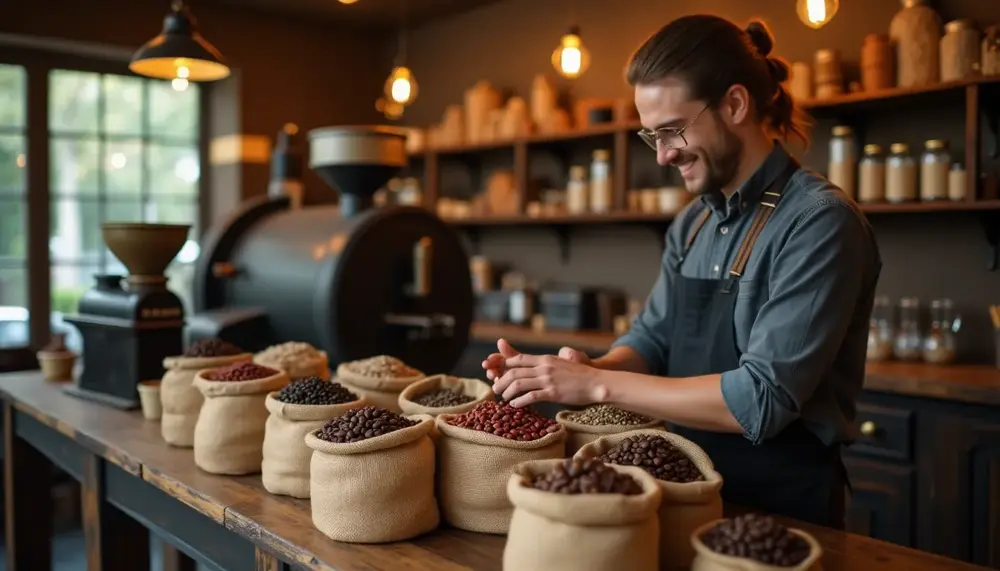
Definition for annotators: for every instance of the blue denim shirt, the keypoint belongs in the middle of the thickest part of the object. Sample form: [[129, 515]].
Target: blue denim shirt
[[801, 315]]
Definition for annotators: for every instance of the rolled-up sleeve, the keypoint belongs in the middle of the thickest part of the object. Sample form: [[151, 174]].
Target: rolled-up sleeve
[[815, 281], [649, 334]]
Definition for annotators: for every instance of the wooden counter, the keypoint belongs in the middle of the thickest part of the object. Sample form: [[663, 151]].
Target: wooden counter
[[974, 384], [232, 522]]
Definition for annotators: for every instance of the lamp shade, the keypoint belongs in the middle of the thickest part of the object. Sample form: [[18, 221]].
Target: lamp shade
[[179, 52]]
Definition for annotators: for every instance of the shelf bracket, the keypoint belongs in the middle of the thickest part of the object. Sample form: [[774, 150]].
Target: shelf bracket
[[991, 227], [991, 112], [563, 236]]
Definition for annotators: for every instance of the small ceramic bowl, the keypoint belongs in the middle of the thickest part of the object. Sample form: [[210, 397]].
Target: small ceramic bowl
[[149, 398], [57, 366]]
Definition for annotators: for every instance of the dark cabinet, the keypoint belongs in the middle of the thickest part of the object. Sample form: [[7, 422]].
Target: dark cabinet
[[881, 501]]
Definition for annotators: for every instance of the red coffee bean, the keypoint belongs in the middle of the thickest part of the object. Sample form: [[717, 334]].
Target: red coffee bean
[[241, 372], [506, 421]]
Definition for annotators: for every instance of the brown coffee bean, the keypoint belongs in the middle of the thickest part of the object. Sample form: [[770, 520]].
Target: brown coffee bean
[[590, 476], [657, 456], [758, 537], [442, 398], [361, 423], [315, 390], [605, 415], [241, 372], [212, 348]]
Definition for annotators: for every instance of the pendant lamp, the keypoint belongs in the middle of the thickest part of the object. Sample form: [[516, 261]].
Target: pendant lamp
[[179, 52]]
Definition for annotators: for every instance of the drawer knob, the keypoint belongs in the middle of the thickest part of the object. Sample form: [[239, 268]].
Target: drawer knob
[[868, 428]]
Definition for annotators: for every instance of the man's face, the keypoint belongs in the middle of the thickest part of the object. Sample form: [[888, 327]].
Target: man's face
[[710, 159]]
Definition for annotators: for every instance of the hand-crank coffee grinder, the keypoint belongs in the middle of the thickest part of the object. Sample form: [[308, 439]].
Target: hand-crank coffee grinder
[[129, 329]]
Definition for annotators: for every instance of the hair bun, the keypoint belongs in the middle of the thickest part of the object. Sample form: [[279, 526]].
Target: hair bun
[[779, 70], [760, 37]]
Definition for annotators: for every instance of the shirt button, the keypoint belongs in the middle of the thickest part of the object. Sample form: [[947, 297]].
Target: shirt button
[[724, 230]]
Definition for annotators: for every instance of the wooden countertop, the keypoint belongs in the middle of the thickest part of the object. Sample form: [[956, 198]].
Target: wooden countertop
[[975, 384], [284, 525]]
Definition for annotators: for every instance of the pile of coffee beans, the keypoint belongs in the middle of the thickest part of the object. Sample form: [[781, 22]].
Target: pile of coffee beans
[[241, 372], [314, 390], [757, 537], [383, 367], [604, 415], [504, 420], [361, 423], [212, 348], [655, 455], [591, 476], [288, 354], [442, 398]]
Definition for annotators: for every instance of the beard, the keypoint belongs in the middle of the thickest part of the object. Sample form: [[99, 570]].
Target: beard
[[721, 159]]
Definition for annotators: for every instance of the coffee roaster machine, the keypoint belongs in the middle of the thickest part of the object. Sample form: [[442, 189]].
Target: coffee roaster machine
[[350, 279]]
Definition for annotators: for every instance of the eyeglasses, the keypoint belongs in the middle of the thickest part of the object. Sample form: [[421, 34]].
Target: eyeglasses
[[668, 137]]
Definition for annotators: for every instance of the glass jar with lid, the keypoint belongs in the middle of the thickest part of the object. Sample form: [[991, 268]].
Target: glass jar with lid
[[908, 343], [843, 159], [871, 175], [880, 330], [960, 51], [577, 190], [600, 182], [934, 166], [940, 343], [900, 174]]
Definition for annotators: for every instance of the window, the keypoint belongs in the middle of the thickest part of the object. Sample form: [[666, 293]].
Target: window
[[121, 149], [13, 237]]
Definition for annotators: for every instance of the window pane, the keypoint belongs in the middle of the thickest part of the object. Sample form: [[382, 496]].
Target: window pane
[[12, 95], [75, 231], [122, 105], [12, 162], [13, 307], [170, 210], [122, 211], [73, 97], [75, 167], [174, 171], [173, 114], [123, 168], [13, 236]]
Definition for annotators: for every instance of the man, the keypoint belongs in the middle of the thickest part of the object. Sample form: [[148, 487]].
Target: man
[[752, 342]]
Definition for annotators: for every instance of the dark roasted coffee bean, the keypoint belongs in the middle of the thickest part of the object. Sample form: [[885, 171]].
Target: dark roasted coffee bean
[[591, 476], [314, 390], [361, 423], [442, 398], [657, 456], [758, 537], [241, 372], [504, 420], [212, 348], [604, 415]]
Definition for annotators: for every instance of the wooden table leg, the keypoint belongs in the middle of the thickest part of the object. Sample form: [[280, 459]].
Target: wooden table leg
[[175, 560], [27, 501], [115, 541]]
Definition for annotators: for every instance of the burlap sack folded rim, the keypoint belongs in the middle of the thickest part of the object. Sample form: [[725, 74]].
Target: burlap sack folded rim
[[320, 362], [211, 388], [674, 492], [475, 388], [562, 417], [386, 441], [743, 564], [386, 385], [307, 412], [489, 439], [198, 363], [591, 510]]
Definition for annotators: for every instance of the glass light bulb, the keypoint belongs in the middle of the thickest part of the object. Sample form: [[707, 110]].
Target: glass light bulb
[[179, 84], [183, 71], [401, 86], [816, 13], [571, 58], [400, 90]]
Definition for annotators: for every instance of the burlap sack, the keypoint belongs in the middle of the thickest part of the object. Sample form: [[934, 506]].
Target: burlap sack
[[377, 490], [378, 392], [685, 507], [473, 469], [478, 390], [578, 434], [708, 560], [229, 434], [181, 400], [318, 367], [285, 468], [581, 532]]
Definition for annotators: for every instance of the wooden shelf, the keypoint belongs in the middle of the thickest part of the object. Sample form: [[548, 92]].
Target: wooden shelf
[[597, 341], [863, 97]]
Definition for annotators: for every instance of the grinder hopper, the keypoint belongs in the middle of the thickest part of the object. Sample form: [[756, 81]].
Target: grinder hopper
[[357, 161]]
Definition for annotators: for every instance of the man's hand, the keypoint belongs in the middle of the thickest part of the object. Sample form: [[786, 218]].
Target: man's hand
[[495, 364], [571, 354], [535, 378]]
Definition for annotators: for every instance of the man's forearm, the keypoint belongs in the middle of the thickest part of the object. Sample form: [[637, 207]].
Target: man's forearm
[[694, 402], [621, 358]]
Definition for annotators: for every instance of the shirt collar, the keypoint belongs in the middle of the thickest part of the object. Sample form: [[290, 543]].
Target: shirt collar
[[750, 191]]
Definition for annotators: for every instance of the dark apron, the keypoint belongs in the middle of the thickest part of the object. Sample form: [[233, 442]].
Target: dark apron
[[793, 474]]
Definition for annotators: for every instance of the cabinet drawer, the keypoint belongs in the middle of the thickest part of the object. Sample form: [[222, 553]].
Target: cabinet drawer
[[885, 432]]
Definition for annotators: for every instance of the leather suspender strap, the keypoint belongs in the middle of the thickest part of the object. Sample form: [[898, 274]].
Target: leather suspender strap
[[697, 228], [766, 206]]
